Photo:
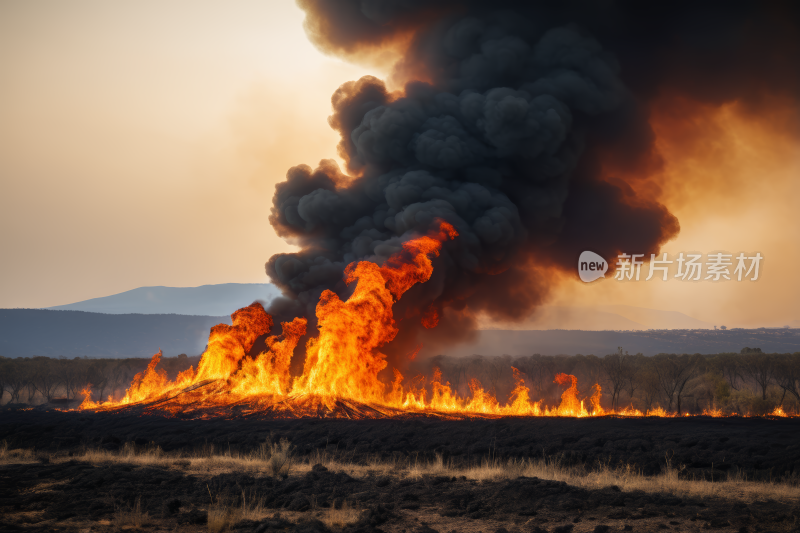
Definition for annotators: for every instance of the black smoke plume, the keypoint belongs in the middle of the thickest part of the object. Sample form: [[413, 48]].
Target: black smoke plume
[[525, 125]]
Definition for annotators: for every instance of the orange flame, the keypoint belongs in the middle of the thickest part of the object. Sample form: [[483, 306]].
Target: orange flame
[[430, 318]]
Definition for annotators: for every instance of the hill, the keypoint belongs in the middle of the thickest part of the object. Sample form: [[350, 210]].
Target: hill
[[600, 318], [223, 299], [648, 342], [29, 332], [206, 300]]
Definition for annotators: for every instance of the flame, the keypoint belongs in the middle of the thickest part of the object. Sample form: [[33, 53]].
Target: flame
[[779, 412], [340, 374], [413, 354], [227, 345], [430, 319]]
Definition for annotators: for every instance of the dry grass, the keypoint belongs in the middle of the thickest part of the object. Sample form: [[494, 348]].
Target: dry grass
[[219, 518], [670, 481], [273, 458], [222, 516], [276, 459], [339, 518], [133, 516], [16, 456], [357, 468]]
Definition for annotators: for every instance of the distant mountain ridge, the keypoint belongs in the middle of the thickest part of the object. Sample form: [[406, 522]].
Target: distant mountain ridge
[[224, 299], [602, 318], [651, 342], [205, 300], [657, 318], [30, 332]]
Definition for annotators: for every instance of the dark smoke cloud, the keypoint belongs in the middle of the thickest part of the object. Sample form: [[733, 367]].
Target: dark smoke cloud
[[529, 134]]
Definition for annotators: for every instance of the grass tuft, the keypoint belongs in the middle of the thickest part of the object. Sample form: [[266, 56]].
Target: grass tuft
[[16, 456], [342, 517], [133, 516], [222, 516], [278, 457]]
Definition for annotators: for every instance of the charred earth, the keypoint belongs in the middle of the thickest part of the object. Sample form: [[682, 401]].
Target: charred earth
[[76, 470]]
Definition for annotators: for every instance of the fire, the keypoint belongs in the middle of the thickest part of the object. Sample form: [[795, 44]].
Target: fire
[[340, 375], [430, 319]]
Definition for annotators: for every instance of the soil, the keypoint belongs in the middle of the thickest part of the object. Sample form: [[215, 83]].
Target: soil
[[71, 495]]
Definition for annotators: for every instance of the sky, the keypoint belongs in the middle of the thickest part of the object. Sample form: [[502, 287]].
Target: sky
[[140, 143]]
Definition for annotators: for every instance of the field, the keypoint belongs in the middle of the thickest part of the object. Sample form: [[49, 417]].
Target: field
[[104, 471]]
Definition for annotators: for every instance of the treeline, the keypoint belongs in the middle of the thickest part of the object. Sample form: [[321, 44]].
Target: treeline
[[36, 380], [749, 382]]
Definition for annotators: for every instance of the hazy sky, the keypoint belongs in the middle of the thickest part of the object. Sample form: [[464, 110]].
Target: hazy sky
[[140, 143]]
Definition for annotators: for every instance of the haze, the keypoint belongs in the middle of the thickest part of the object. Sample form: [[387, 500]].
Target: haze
[[140, 144]]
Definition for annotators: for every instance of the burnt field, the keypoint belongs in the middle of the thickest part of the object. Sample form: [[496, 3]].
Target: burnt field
[[762, 447], [73, 471]]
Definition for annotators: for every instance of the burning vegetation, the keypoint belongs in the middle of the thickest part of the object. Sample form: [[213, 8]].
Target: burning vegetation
[[340, 377]]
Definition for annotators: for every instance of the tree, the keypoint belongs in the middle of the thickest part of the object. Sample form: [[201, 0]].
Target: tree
[[46, 377], [74, 376], [588, 368], [97, 377], [786, 373], [4, 369], [29, 374], [758, 366], [615, 367], [120, 375], [747, 349], [731, 369], [635, 365], [650, 387], [458, 375], [673, 372], [15, 376], [497, 369], [540, 369]]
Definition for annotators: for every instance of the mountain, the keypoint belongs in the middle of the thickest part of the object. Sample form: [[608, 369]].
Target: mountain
[[656, 318], [602, 318], [566, 317], [224, 299], [600, 343], [207, 300], [29, 332]]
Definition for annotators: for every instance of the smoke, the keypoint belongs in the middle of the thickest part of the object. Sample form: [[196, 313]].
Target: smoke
[[525, 126]]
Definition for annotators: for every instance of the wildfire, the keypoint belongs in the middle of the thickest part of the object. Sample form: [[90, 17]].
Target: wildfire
[[340, 376]]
